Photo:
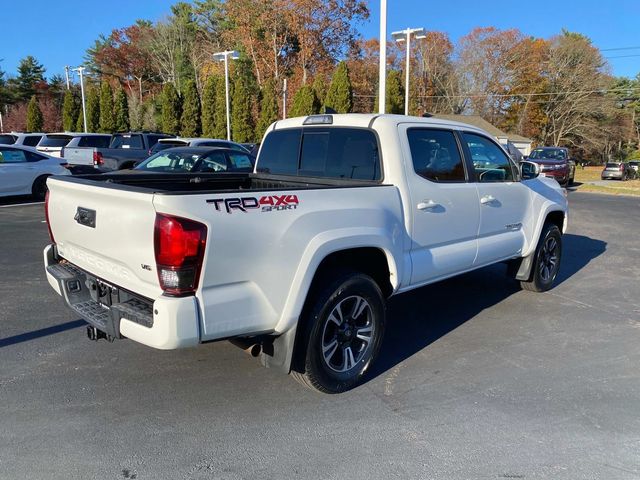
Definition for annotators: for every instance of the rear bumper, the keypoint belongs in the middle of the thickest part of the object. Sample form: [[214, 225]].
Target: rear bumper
[[165, 323], [560, 176], [611, 174]]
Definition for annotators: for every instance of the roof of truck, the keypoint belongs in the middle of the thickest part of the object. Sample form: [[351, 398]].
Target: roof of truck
[[366, 120]]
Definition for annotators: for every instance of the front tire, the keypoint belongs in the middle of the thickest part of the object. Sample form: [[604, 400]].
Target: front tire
[[343, 332], [547, 260]]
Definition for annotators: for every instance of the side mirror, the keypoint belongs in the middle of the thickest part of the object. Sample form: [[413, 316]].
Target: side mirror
[[529, 170]]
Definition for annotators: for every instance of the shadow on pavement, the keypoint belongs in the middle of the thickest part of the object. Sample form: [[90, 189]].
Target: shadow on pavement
[[420, 317], [43, 332]]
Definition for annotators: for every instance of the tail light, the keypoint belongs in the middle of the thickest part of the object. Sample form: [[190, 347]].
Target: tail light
[[97, 158], [621, 167], [46, 216], [179, 248]]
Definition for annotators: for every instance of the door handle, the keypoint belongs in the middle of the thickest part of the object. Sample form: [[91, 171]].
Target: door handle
[[427, 205], [487, 199]]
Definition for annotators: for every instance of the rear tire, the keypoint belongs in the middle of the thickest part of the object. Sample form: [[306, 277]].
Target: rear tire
[[39, 188], [547, 260], [343, 330]]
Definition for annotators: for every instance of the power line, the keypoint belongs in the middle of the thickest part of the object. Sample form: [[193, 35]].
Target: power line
[[531, 94], [618, 48], [625, 56]]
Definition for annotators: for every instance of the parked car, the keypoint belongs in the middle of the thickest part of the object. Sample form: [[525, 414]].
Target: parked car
[[296, 261], [555, 162], [165, 143], [619, 171], [29, 139], [636, 166], [197, 160], [24, 171], [81, 151], [52, 143]]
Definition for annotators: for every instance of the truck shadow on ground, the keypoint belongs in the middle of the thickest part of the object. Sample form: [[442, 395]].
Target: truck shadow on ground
[[418, 318]]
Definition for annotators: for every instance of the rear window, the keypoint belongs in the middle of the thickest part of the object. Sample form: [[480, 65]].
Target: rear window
[[31, 140], [348, 153], [54, 140], [97, 141], [613, 165], [7, 139], [126, 141]]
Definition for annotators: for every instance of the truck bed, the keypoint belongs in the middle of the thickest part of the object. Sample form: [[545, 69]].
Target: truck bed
[[185, 184]]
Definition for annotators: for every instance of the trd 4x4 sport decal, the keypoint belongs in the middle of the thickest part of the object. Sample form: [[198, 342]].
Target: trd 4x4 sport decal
[[268, 203]]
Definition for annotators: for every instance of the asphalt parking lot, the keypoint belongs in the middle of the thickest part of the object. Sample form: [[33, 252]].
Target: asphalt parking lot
[[477, 379]]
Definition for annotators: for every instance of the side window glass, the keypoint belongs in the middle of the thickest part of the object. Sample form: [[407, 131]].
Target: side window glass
[[33, 157], [279, 155], [214, 162], [435, 155], [490, 163], [12, 156]]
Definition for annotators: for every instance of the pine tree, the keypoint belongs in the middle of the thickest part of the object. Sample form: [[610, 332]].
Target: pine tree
[[69, 111], [395, 93], [30, 73], [268, 108], [35, 120], [93, 110], [80, 121], [121, 111], [320, 89], [209, 106], [107, 117], [340, 94], [242, 122], [171, 109], [190, 125], [220, 110], [304, 102]]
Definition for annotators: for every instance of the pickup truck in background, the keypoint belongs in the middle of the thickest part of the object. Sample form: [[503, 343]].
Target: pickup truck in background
[[296, 261], [81, 151], [123, 151]]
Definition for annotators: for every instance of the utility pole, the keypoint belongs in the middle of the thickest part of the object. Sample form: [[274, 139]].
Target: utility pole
[[66, 74], [84, 109], [402, 36], [224, 57], [284, 100], [382, 73]]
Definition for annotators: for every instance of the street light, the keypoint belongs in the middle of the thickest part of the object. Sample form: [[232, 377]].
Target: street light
[[224, 57], [402, 36], [382, 70], [84, 110]]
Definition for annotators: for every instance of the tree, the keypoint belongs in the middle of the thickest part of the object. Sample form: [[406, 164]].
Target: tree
[[209, 106], [93, 109], [35, 120], [190, 125], [395, 93], [69, 111], [107, 114], [304, 102], [340, 94], [319, 88], [121, 111], [242, 122], [80, 121], [268, 108], [171, 109], [30, 74], [220, 110]]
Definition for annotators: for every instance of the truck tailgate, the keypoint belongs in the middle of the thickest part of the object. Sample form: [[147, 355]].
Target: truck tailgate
[[106, 231], [79, 155]]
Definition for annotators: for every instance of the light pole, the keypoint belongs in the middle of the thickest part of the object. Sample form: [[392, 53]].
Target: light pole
[[66, 74], [84, 109], [382, 72], [402, 36], [224, 57]]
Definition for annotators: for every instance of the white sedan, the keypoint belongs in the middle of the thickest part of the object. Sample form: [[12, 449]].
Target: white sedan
[[24, 171]]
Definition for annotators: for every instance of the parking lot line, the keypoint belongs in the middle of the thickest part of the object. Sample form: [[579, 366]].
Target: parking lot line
[[21, 204]]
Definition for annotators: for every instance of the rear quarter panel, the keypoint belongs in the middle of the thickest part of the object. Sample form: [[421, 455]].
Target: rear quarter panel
[[260, 262]]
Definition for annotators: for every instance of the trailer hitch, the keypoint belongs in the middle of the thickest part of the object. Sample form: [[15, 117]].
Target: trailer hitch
[[94, 334]]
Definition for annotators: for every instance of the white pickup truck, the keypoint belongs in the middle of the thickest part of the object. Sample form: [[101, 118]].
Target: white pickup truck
[[295, 261]]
